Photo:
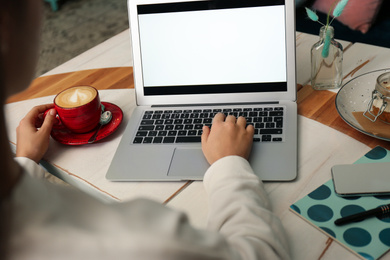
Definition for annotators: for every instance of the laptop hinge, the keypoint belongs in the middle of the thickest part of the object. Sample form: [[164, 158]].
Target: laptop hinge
[[219, 104]]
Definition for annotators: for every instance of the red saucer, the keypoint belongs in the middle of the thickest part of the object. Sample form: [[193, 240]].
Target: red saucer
[[65, 136]]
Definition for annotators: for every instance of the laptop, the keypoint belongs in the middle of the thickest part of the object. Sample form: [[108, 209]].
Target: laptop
[[193, 59]]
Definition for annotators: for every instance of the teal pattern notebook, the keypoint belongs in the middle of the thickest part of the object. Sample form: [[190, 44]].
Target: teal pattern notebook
[[369, 238]]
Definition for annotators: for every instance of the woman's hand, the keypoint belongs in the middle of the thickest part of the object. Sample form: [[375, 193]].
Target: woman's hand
[[228, 136], [33, 132]]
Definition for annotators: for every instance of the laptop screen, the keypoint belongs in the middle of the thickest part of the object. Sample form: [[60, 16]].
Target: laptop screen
[[209, 47]]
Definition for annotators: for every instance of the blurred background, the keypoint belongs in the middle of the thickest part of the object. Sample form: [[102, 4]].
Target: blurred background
[[77, 26]]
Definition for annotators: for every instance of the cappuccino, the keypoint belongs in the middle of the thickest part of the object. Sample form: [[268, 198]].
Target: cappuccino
[[75, 97]]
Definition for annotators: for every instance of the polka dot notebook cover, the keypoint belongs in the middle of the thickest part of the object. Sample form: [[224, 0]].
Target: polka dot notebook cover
[[369, 238]]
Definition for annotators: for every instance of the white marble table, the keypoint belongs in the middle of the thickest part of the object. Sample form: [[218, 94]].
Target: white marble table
[[320, 147]]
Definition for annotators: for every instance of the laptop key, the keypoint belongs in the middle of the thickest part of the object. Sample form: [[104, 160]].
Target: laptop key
[[276, 113], [270, 125], [138, 140], [142, 133], [266, 138], [275, 131], [194, 115], [162, 133], [168, 140], [182, 132], [147, 122], [148, 140], [157, 140], [146, 128], [188, 139], [192, 132], [172, 133], [263, 113], [175, 116], [244, 114], [259, 125], [152, 133]]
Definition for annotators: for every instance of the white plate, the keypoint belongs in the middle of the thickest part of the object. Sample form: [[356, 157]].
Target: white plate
[[354, 96]]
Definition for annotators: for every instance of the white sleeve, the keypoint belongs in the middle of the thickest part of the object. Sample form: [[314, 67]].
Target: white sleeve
[[30, 167], [54, 222], [240, 210]]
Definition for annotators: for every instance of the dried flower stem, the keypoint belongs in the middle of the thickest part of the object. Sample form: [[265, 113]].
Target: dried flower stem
[[338, 6]]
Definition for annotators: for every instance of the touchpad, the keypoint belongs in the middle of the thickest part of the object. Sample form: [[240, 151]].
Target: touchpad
[[189, 163]]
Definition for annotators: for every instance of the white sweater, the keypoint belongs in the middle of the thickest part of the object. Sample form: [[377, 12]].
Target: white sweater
[[55, 222]]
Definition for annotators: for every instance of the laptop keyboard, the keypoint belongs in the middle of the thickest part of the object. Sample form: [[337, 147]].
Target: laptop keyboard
[[185, 125]]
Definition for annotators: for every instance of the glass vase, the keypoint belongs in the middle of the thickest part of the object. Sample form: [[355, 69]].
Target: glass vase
[[326, 61]]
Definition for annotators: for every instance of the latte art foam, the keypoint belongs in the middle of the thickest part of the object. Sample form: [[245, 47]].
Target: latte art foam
[[75, 97]]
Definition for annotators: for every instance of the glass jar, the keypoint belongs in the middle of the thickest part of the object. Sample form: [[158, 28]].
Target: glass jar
[[378, 105], [326, 61]]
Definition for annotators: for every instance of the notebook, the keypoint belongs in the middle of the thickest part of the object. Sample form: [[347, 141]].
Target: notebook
[[197, 58], [369, 238]]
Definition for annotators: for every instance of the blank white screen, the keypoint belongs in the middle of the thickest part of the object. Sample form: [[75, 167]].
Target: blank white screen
[[226, 46]]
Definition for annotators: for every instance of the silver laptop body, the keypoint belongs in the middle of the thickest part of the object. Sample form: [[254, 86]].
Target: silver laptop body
[[208, 56]]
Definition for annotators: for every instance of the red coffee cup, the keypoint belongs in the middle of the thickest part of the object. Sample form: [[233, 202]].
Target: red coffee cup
[[78, 108]]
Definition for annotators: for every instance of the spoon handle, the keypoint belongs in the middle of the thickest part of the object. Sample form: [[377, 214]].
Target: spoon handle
[[93, 138]]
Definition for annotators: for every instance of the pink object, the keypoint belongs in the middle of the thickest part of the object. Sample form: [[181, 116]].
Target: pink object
[[357, 15]]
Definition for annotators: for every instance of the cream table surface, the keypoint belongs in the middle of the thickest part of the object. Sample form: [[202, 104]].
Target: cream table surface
[[319, 148]]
